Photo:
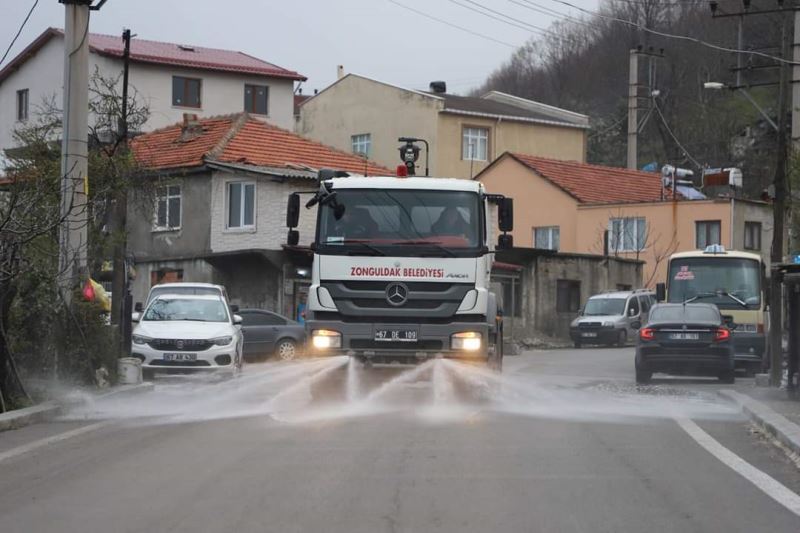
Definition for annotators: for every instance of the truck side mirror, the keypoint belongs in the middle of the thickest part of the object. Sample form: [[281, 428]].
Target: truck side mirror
[[505, 242], [293, 237], [661, 292], [293, 210], [505, 214]]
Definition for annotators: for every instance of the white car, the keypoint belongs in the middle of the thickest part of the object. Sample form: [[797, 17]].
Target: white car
[[188, 332]]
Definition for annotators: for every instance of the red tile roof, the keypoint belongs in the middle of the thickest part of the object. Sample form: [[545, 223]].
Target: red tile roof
[[242, 139], [144, 51], [596, 184]]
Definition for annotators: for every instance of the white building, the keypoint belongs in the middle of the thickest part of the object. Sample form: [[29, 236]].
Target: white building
[[173, 79]]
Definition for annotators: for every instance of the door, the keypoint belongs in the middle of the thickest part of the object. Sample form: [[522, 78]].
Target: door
[[260, 330]]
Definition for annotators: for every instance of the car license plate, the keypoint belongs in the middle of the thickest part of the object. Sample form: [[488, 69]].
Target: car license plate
[[684, 336], [589, 334], [396, 335], [180, 357]]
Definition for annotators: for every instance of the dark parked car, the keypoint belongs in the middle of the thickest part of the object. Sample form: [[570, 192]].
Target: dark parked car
[[267, 333], [685, 339]]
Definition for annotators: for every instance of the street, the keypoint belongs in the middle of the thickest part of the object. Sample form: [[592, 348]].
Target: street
[[563, 442]]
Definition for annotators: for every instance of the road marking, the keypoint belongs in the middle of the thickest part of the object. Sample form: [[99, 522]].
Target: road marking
[[60, 437], [769, 485]]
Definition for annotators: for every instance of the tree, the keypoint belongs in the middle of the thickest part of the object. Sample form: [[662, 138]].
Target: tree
[[30, 217]]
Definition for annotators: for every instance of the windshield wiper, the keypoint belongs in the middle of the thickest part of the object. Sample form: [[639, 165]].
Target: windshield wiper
[[713, 294], [362, 244], [429, 243]]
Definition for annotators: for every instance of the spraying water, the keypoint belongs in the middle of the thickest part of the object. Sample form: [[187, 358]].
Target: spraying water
[[439, 390]]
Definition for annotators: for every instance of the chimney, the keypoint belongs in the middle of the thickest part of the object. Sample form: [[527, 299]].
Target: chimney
[[191, 127], [438, 87], [339, 72]]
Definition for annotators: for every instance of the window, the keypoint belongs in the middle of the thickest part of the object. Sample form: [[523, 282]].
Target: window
[[707, 232], [168, 207], [512, 295], [568, 296], [22, 104], [475, 144], [241, 204], [256, 98], [627, 234], [546, 238], [362, 143], [645, 303], [261, 319], [186, 91], [752, 235], [633, 306]]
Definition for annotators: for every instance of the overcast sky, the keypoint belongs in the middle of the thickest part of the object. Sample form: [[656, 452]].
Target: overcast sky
[[376, 38]]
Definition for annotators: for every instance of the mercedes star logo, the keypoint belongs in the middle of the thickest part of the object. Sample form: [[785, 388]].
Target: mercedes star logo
[[179, 345], [396, 294]]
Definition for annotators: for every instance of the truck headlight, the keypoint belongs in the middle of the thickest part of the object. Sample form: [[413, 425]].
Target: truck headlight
[[323, 339], [222, 341], [468, 341], [140, 339]]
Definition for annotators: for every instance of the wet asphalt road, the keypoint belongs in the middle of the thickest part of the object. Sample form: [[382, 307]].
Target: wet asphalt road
[[563, 443]]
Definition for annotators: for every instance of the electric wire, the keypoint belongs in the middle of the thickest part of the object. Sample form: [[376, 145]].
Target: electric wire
[[511, 20], [674, 36], [22, 26], [674, 138], [456, 26]]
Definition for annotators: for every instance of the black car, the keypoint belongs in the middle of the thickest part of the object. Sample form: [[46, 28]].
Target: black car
[[685, 339], [267, 333]]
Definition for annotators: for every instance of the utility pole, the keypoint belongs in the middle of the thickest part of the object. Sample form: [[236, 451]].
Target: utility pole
[[633, 108], [74, 146], [796, 82], [778, 223], [120, 312]]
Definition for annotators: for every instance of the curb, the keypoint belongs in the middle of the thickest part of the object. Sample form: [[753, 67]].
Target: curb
[[139, 388], [29, 415], [48, 410], [776, 425]]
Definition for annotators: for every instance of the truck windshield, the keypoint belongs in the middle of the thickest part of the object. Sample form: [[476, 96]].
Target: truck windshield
[[372, 220], [715, 280]]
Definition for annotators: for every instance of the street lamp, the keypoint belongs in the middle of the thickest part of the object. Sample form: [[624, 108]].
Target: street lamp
[[717, 86]]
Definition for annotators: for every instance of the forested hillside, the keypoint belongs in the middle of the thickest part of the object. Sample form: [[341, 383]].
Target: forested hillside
[[581, 64]]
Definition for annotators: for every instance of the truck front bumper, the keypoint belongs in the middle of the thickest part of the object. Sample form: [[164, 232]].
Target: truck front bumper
[[433, 340]]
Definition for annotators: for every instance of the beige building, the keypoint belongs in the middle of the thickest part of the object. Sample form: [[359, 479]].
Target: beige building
[[575, 207], [465, 134]]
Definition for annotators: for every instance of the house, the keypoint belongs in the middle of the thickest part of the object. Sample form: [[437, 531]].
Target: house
[[171, 78], [212, 207], [465, 134], [576, 207]]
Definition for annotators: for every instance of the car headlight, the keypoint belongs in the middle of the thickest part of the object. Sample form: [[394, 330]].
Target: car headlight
[[469, 341], [608, 324], [222, 341], [323, 339], [140, 339]]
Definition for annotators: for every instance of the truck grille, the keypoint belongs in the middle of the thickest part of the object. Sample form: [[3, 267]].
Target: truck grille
[[366, 344], [426, 300]]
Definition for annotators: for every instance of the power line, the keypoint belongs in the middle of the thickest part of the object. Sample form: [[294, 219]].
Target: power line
[[673, 36], [442, 21], [538, 8], [674, 138], [30, 12], [514, 22]]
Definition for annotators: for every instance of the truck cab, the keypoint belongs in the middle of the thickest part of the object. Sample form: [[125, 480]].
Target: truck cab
[[401, 269]]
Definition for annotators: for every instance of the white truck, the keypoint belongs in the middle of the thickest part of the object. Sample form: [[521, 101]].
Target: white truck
[[401, 268]]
